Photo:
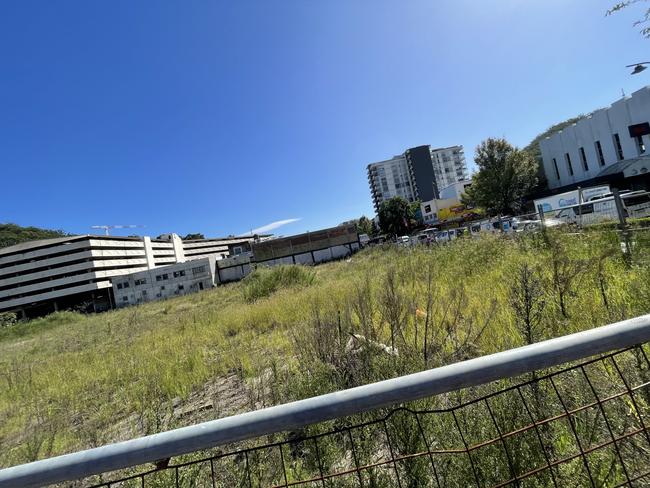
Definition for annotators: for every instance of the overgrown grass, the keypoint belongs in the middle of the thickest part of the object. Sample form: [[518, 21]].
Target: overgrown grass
[[67, 380], [265, 281]]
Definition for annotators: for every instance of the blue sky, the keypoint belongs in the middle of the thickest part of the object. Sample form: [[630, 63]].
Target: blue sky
[[222, 116]]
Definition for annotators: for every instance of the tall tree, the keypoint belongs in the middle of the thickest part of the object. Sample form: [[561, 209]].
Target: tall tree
[[396, 216], [196, 235], [366, 226], [506, 174]]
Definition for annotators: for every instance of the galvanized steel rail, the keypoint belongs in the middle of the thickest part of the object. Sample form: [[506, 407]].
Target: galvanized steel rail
[[326, 407]]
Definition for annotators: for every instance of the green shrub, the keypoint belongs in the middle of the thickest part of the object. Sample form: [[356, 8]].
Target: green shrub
[[263, 282], [7, 318]]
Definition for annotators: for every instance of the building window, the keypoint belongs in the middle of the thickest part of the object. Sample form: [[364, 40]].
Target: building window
[[599, 151], [427, 208], [165, 276], [236, 250], [568, 163], [198, 270], [583, 159], [162, 288], [617, 146], [119, 286], [144, 293], [126, 284], [557, 171], [125, 299], [158, 277], [640, 145], [181, 287], [141, 281]]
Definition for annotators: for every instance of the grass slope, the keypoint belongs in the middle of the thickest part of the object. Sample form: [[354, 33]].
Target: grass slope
[[67, 380]]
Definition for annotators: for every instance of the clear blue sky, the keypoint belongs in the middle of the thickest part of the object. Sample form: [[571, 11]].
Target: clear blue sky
[[221, 116]]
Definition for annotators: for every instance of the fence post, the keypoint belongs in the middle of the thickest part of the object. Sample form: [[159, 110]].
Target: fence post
[[622, 223], [540, 210], [620, 210], [580, 207]]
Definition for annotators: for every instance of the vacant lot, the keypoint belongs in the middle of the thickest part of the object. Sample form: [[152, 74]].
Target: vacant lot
[[70, 381]]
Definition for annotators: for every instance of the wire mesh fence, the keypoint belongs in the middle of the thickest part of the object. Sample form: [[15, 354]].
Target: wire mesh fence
[[582, 424]]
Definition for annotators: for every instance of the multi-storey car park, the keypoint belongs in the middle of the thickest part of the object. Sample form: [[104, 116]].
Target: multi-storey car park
[[43, 276]]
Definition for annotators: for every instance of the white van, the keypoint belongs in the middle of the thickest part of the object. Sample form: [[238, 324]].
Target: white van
[[637, 203], [596, 211]]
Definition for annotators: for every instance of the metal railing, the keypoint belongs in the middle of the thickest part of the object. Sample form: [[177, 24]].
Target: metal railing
[[583, 421]]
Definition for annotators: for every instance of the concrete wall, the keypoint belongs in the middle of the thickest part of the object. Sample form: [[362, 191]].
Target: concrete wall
[[233, 268], [315, 257]]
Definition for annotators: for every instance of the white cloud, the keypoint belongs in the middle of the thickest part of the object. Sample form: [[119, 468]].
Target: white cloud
[[272, 226]]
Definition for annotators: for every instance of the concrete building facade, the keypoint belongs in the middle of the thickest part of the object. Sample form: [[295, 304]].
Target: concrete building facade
[[610, 145], [449, 166], [165, 282], [418, 174], [455, 190], [43, 276]]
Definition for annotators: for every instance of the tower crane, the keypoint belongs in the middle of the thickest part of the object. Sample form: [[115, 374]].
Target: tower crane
[[107, 228]]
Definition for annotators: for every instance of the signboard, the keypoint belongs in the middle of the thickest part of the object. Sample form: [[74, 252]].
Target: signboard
[[567, 199], [453, 212], [638, 130]]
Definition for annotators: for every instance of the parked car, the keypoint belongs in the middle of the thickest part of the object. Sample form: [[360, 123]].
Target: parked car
[[364, 239], [404, 241]]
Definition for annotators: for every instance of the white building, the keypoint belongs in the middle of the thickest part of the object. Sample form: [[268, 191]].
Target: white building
[[390, 178], [610, 145], [40, 277], [165, 282], [449, 166], [431, 209], [455, 190], [418, 174]]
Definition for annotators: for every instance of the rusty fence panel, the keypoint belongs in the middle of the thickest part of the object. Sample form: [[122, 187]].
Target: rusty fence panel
[[571, 411]]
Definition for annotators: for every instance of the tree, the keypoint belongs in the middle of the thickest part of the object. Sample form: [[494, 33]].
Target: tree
[[506, 174], [12, 234], [645, 31], [190, 237], [366, 226], [396, 216]]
